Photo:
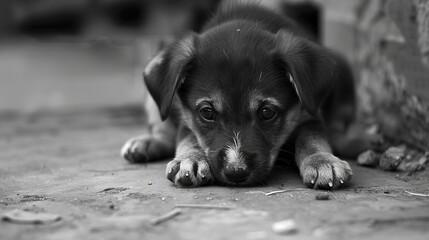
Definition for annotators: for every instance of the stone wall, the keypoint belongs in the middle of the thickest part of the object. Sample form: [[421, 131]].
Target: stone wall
[[388, 43]]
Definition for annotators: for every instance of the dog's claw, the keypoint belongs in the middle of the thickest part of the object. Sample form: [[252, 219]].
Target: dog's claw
[[181, 171], [325, 171]]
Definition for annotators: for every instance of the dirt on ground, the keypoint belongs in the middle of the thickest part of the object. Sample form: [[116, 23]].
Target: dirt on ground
[[69, 164]]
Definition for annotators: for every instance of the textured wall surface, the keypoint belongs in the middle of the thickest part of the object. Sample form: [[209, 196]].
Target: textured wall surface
[[388, 43]]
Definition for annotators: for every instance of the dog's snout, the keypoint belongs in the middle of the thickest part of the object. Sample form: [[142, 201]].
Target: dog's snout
[[237, 175], [221, 155], [250, 157], [239, 171]]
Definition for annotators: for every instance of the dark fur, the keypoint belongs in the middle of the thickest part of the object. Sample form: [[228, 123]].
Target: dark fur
[[243, 52]]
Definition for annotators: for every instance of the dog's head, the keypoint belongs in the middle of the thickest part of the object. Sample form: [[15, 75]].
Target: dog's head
[[242, 91]]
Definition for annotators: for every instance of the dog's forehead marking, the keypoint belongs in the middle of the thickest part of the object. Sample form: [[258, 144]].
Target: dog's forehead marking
[[201, 100], [272, 101], [214, 98], [256, 99]]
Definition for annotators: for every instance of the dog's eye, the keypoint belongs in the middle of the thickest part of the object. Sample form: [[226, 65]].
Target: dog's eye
[[267, 114], [207, 113]]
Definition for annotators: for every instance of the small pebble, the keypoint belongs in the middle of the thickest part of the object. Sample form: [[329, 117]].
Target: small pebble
[[149, 183], [368, 158], [413, 163], [209, 198], [285, 227], [374, 129], [163, 199], [235, 199], [392, 157], [320, 232], [322, 196]]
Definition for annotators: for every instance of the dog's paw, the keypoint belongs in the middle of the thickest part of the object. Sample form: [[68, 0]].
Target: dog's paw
[[325, 171], [191, 170], [147, 148]]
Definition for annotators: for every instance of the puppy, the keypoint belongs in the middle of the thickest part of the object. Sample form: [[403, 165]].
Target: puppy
[[232, 97]]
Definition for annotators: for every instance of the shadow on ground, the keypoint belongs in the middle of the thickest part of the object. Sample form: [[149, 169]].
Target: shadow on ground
[[69, 164]]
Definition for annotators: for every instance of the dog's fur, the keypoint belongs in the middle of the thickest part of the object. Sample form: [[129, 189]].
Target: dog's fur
[[250, 84]]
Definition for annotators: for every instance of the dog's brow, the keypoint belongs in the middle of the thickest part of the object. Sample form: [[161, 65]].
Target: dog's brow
[[199, 101], [215, 99], [257, 99], [272, 101]]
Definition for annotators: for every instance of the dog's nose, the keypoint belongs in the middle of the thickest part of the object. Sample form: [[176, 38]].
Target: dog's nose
[[236, 174]]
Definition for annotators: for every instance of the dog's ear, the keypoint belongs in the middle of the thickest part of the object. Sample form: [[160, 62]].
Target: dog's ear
[[310, 68], [166, 72]]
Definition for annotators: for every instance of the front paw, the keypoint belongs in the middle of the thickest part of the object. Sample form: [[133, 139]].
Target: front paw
[[325, 171], [190, 170], [147, 148]]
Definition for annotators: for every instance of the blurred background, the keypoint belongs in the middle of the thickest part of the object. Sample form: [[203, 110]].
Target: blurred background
[[68, 55], [74, 54]]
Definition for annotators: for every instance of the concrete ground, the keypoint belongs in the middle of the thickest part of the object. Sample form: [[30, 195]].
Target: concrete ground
[[69, 164]]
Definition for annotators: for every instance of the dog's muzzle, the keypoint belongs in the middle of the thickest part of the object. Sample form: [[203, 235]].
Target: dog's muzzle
[[237, 174], [237, 170]]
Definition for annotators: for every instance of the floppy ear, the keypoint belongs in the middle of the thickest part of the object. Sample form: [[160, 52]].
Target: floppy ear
[[311, 69], [166, 72]]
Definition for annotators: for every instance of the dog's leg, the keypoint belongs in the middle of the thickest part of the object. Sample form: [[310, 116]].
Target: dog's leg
[[190, 167], [158, 139], [347, 137], [319, 168], [354, 140], [156, 143]]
